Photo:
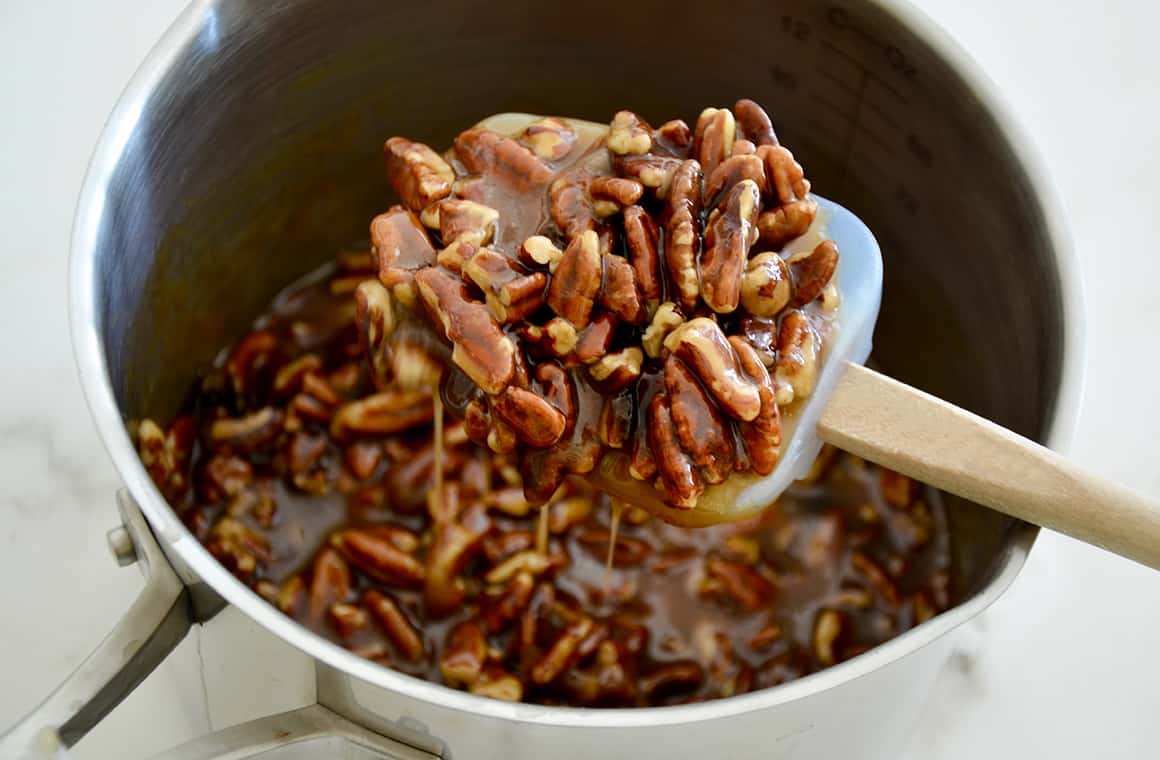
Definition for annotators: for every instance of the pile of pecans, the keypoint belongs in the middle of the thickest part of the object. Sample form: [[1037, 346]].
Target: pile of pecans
[[658, 295], [323, 489]]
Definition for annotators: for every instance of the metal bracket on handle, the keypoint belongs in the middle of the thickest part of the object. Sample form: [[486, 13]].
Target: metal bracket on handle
[[152, 627]]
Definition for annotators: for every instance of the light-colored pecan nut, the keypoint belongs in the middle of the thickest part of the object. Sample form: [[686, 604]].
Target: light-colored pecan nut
[[530, 562], [702, 345], [629, 135], [540, 251], [667, 318], [762, 436], [376, 323], [455, 255], [401, 247], [754, 123], [576, 282], [562, 651], [765, 286], [786, 181], [418, 174], [621, 293], [556, 337], [463, 220], [511, 294], [383, 413], [414, 367], [497, 683], [654, 172], [400, 630], [700, 428], [454, 544], [683, 486], [812, 271], [616, 371], [536, 422], [713, 137], [641, 238], [249, 432], [828, 627], [480, 348], [615, 424], [378, 557], [797, 363], [732, 171], [485, 152], [610, 195], [464, 654], [558, 391], [673, 138], [550, 138], [166, 455], [570, 205], [780, 225], [728, 239], [683, 234], [501, 438], [329, 582]]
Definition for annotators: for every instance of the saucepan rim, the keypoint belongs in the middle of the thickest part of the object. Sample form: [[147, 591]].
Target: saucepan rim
[[172, 533]]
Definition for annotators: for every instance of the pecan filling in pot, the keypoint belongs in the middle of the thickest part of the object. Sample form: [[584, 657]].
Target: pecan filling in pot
[[397, 453]]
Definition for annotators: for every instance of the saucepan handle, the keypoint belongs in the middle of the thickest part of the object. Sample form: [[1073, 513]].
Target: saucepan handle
[[151, 629]]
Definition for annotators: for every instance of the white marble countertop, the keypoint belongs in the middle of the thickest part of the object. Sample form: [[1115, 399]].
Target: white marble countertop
[[1061, 667]]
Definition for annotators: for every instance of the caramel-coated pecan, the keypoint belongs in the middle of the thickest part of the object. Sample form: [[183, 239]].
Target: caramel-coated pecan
[[780, 225], [166, 454], [654, 172], [329, 582], [418, 174], [765, 286], [666, 319], [576, 282], [812, 271], [762, 436], [556, 337], [570, 204], [702, 345], [377, 556], [677, 471], [700, 428], [593, 342], [536, 422], [550, 138], [797, 362], [629, 134], [731, 172], [615, 423], [497, 683], [673, 138], [741, 583], [401, 247], [641, 237], [713, 137], [463, 654], [754, 123], [612, 194], [616, 371], [400, 630], [248, 432], [511, 293], [786, 179], [480, 348], [682, 233], [376, 322], [727, 241], [540, 251], [454, 544], [558, 390], [560, 654], [485, 152], [383, 413], [462, 220], [621, 293]]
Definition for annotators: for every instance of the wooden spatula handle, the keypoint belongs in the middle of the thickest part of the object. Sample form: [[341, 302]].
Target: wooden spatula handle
[[888, 422]]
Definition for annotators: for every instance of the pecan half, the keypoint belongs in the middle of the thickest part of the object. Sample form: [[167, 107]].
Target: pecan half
[[621, 293], [401, 247], [713, 137], [400, 630], [797, 364], [541, 251], [510, 293], [754, 123], [570, 205], [593, 342], [558, 390], [497, 683], [761, 333], [780, 225], [576, 282], [550, 138], [641, 236], [536, 422], [654, 172], [812, 271], [329, 582], [616, 371], [615, 424], [628, 134], [249, 432], [378, 557], [741, 583], [727, 241], [454, 544], [666, 319], [480, 348], [462, 220], [702, 345], [485, 152], [762, 436], [560, 653], [682, 233], [612, 194], [463, 654], [382, 414], [731, 172], [700, 428], [249, 360], [557, 337], [376, 322], [765, 286], [786, 179], [673, 138], [682, 484], [417, 173]]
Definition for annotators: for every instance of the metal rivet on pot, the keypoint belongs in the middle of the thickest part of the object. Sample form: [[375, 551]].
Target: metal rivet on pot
[[121, 545]]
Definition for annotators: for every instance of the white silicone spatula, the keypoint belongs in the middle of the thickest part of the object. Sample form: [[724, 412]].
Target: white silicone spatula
[[861, 411]]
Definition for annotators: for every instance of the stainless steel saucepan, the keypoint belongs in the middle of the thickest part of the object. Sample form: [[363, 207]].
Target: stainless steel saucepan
[[246, 150]]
